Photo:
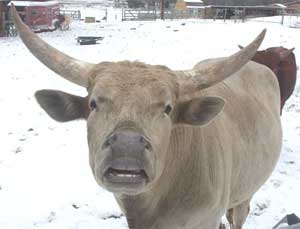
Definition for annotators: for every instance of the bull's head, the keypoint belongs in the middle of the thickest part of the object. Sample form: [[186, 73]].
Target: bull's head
[[272, 57], [131, 108]]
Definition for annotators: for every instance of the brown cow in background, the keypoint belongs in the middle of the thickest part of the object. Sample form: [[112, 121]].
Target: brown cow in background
[[282, 62]]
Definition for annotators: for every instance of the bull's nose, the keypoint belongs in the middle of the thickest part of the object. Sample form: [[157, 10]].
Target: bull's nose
[[127, 142]]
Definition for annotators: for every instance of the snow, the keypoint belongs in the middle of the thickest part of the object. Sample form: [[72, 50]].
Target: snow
[[45, 180], [279, 5], [29, 3], [194, 1]]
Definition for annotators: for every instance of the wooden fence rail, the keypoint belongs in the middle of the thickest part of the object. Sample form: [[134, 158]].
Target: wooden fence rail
[[75, 14]]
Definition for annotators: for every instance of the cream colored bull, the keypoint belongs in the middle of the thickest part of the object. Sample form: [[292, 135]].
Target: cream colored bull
[[177, 148]]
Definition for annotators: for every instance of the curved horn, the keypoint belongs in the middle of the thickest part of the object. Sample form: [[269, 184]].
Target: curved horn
[[210, 72], [64, 65]]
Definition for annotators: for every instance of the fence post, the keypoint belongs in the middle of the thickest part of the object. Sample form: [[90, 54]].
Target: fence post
[[162, 9], [244, 15], [225, 14]]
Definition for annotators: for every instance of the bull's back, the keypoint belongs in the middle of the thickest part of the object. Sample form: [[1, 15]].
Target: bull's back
[[287, 77], [250, 125]]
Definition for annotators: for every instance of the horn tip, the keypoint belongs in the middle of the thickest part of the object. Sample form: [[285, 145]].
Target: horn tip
[[262, 34], [13, 10]]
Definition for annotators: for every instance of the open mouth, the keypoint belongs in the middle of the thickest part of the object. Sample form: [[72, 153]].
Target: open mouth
[[129, 176]]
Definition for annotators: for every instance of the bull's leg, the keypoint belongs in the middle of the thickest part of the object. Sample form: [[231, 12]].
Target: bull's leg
[[238, 215], [222, 226], [229, 216]]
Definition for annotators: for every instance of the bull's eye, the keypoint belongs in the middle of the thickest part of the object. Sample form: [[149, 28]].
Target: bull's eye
[[168, 109], [93, 104]]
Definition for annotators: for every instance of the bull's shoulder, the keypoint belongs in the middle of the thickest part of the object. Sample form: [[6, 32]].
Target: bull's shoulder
[[254, 79], [253, 85]]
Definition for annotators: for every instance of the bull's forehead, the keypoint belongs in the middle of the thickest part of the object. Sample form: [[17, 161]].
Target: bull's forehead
[[269, 57], [131, 80]]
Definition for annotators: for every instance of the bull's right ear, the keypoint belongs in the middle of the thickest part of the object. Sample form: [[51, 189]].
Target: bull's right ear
[[62, 106]]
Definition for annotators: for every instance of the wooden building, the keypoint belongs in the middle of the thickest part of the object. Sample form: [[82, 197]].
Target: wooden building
[[293, 7], [3, 16], [189, 4], [241, 12], [38, 15]]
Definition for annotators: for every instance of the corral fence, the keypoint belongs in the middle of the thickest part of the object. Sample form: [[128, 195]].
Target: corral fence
[[143, 15], [138, 15], [236, 13], [75, 14], [183, 14]]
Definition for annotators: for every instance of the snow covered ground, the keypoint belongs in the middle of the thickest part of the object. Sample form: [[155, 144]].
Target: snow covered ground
[[45, 180]]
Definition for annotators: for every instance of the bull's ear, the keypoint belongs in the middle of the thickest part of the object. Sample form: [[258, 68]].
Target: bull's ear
[[199, 111], [62, 106], [285, 53]]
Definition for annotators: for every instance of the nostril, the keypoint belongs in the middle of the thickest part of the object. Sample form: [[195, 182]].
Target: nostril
[[110, 141], [148, 146], [142, 139], [113, 138], [106, 144], [145, 142]]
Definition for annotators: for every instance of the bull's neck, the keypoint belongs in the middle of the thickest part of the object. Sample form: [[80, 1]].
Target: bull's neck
[[187, 171], [149, 207], [143, 211]]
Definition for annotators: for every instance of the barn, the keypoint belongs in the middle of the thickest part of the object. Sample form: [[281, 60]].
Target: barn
[[192, 8], [293, 7], [3, 16], [38, 15], [189, 4]]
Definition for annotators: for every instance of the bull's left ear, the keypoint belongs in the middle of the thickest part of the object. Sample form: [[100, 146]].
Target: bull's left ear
[[199, 111]]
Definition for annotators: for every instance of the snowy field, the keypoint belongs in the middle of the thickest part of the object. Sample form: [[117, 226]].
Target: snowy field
[[45, 180]]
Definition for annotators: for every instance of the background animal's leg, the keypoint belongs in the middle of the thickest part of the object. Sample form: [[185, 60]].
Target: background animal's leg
[[240, 214]]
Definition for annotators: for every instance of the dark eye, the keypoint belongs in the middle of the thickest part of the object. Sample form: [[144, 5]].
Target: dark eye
[[168, 109], [93, 104]]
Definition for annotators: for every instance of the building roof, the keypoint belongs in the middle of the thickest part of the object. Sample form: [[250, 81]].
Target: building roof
[[30, 3], [194, 1], [291, 3], [194, 4], [279, 5], [243, 7]]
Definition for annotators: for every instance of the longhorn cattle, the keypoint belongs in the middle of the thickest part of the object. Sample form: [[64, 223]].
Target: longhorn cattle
[[282, 62], [176, 148]]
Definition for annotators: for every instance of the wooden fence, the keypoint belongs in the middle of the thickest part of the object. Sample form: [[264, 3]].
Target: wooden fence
[[142, 14], [75, 14], [138, 15]]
